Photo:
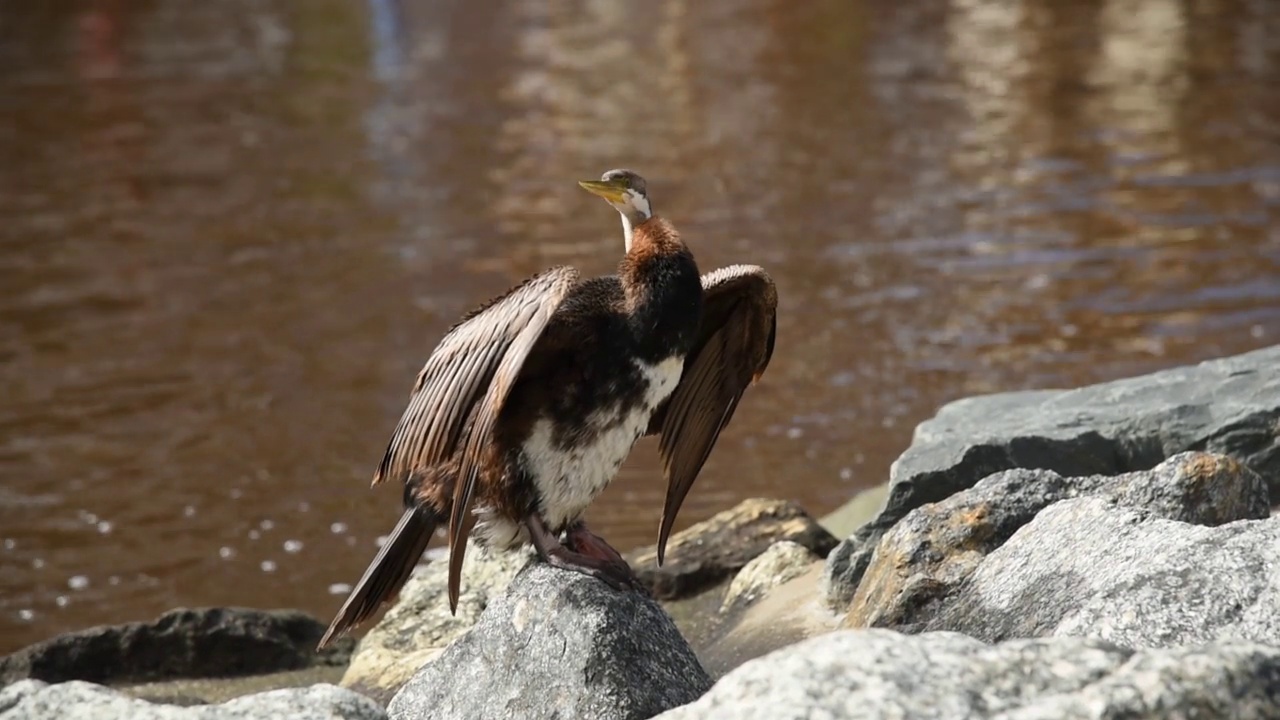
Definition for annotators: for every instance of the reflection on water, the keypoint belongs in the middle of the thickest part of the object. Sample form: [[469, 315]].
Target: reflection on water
[[233, 232]]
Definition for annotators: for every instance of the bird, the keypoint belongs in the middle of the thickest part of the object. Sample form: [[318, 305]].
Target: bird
[[530, 403]]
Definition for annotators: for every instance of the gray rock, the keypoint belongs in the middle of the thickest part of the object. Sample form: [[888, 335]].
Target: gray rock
[[76, 700], [202, 642], [1229, 406], [785, 615], [558, 644], [419, 626], [782, 562], [711, 551], [1091, 567], [853, 674], [207, 691], [928, 556]]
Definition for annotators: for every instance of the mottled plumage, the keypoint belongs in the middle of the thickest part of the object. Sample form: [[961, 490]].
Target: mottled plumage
[[525, 410]]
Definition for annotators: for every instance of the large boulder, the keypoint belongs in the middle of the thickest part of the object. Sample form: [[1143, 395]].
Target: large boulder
[[927, 558], [184, 643], [558, 644], [710, 552], [880, 673], [1094, 567], [76, 700], [418, 626], [1229, 406]]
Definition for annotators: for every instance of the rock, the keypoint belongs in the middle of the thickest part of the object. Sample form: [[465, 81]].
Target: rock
[[698, 618], [558, 644], [713, 550], [418, 626], [786, 614], [783, 561], [203, 691], [926, 557], [1229, 406], [204, 642], [880, 673], [76, 700], [1127, 577]]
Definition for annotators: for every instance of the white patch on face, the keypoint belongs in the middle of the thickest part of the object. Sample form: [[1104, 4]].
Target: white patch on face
[[569, 480], [639, 202]]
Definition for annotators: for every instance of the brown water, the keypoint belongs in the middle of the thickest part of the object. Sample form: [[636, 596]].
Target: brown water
[[233, 231]]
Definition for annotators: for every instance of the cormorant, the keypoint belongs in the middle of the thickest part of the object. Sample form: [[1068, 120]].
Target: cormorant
[[528, 406]]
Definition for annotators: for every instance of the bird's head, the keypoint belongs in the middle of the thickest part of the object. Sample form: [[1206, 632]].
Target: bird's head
[[625, 191]]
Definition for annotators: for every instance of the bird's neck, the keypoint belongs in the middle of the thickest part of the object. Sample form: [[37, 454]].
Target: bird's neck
[[662, 288], [631, 220]]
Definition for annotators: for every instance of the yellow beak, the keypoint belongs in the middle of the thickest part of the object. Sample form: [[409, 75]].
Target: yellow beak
[[612, 190]]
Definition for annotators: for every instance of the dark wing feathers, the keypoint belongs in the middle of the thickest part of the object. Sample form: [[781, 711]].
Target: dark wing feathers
[[533, 317], [733, 347], [458, 372], [460, 391]]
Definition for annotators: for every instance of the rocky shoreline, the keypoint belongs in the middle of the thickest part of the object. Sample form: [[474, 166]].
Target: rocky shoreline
[[1110, 551]]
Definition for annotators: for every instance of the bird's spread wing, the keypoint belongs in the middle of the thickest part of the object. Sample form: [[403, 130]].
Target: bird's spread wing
[[733, 348], [461, 390]]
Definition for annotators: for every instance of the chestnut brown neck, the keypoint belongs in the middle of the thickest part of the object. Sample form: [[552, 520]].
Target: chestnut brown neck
[[662, 288], [650, 240]]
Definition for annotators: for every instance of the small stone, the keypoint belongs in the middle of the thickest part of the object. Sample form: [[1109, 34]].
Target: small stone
[[783, 561], [713, 550]]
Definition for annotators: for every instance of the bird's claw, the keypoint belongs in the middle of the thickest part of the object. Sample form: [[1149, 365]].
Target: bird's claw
[[615, 570], [587, 553]]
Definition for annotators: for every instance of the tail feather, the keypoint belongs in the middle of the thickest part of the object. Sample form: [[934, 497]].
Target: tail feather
[[387, 573]]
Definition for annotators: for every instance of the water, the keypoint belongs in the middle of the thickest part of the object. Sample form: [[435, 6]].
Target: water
[[232, 232]]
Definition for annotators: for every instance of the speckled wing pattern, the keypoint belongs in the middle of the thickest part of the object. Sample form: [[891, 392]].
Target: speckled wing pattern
[[733, 347], [468, 377]]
